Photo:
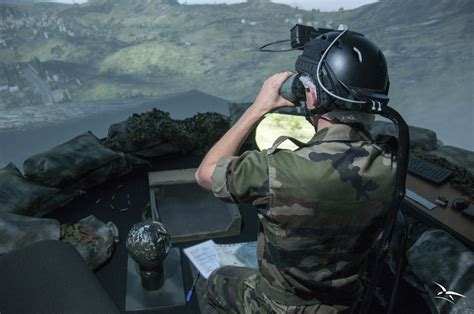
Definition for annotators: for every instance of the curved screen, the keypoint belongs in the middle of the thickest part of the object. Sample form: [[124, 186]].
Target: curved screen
[[275, 125]]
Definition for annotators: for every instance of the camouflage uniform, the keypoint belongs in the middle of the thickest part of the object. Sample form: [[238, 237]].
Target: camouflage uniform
[[320, 210]]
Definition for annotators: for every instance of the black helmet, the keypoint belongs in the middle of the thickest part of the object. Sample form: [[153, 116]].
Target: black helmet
[[352, 71]]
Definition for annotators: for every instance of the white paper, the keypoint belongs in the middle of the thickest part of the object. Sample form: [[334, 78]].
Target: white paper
[[204, 257], [237, 254], [207, 256]]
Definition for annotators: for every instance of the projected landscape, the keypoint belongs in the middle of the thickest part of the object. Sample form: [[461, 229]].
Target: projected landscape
[[107, 50]]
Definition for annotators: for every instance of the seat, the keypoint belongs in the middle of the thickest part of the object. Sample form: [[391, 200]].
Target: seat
[[50, 277]]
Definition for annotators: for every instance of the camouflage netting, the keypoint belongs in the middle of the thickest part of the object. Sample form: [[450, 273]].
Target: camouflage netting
[[154, 133], [462, 179], [79, 163], [23, 197], [424, 144], [17, 231], [438, 257], [131, 136], [458, 156]]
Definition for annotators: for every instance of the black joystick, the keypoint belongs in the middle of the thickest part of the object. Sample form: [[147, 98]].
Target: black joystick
[[148, 244]]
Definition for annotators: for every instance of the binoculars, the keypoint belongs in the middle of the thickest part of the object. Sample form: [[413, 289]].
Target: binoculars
[[293, 90]]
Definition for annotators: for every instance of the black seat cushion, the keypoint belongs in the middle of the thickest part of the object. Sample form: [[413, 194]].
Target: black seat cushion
[[50, 277]]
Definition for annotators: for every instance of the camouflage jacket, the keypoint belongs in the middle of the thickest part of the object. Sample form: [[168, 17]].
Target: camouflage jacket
[[320, 209]]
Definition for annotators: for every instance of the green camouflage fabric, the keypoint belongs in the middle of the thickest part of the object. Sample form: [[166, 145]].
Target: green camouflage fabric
[[92, 238], [233, 289], [23, 197], [320, 207], [155, 133], [80, 163], [17, 231]]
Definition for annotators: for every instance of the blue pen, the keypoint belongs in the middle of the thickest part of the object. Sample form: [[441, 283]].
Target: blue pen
[[190, 292]]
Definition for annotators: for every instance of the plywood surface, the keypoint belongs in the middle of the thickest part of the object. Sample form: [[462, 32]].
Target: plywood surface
[[448, 218]]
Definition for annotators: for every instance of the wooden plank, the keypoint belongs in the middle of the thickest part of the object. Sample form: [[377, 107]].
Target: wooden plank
[[170, 177], [453, 221]]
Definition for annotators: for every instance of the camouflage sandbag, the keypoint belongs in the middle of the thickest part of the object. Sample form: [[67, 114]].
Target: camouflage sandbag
[[79, 163], [18, 231], [92, 238], [119, 139], [200, 132], [23, 197], [154, 133], [437, 264]]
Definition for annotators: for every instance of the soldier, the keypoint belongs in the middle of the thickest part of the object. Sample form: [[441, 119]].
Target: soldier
[[322, 206]]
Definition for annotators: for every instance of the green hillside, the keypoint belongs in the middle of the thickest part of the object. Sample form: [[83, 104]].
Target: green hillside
[[154, 47]]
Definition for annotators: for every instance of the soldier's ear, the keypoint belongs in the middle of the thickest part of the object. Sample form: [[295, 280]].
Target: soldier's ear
[[311, 99]]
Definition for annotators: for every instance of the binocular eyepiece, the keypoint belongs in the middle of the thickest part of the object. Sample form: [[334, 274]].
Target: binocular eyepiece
[[293, 90]]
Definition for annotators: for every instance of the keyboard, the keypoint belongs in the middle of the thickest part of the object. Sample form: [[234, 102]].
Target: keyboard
[[428, 170]]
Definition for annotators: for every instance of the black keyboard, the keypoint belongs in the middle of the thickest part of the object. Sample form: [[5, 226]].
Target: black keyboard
[[427, 170]]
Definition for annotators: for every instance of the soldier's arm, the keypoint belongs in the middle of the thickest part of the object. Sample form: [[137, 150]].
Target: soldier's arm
[[228, 145], [267, 100]]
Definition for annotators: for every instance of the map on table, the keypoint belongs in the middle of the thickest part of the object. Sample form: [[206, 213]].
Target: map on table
[[207, 256]]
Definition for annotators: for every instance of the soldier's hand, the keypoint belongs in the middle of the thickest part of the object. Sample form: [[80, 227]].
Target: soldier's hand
[[269, 97]]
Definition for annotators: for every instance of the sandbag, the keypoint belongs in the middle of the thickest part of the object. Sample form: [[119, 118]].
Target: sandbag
[[154, 134], [437, 258], [23, 197], [92, 238], [79, 163], [17, 232]]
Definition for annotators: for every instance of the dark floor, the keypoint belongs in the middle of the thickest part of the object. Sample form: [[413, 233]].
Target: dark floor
[[113, 275]]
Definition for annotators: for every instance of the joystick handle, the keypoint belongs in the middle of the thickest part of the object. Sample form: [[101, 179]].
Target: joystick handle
[[148, 243]]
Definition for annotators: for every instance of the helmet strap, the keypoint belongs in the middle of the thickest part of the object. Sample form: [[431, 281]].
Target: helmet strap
[[326, 103]]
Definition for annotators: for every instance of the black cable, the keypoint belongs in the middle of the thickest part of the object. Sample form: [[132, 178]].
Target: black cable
[[274, 43], [400, 266], [398, 195]]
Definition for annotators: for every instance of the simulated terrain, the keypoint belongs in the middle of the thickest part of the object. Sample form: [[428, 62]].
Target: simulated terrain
[[106, 50]]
